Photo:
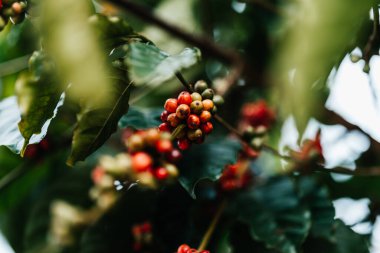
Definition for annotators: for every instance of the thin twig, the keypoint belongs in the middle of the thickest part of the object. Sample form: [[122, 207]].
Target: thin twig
[[17, 172], [371, 171], [368, 50], [207, 236], [183, 81]]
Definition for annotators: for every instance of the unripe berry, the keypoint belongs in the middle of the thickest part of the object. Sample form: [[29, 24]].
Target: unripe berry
[[152, 136], [196, 107], [200, 86], [205, 116], [196, 96], [174, 156], [208, 94], [183, 144], [208, 105], [161, 173], [193, 121], [141, 161], [171, 105], [184, 98], [194, 134], [183, 111], [164, 116], [184, 248], [97, 174], [164, 146], [164, 127], [172, 170], [218, 100], [173, 120], [207, 127], [135, 142]]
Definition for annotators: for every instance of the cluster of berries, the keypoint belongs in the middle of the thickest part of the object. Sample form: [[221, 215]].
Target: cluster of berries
[[37, 151], [184, 248], [12, 10], [310, 150], [142, 234], [188, 117], [236, 176]]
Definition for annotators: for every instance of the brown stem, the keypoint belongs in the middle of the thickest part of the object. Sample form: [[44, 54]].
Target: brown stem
[[207, 236], [374, 36]]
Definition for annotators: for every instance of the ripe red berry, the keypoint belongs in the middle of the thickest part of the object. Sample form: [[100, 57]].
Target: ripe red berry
[[171, 105], [97, 174], [164, 127], [193, 121], [164, 146], [31, 151], [183, 144], [146, 227], [258, 114], [192, 251], [183, 111], [161, 173], [141, 161], [204, 251], [184, 98], [205, 116], [164, 116], [207, 127], [208, 105], [173, 120], [174, 156], [184, 248]]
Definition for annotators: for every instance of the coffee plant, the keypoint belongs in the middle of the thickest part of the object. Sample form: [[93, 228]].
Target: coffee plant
[[184, 126]]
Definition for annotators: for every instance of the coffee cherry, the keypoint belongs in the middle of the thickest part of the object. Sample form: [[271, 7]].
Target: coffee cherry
[[161, 173], [172, 170], [193, 121], [196, 107], [164, 116], [173, 120], [208, 105], [196, 96], [184, 248], [97, 174], [207, 127], [164, 146], [218, 100], [200, 86], [164, 127], [204, 251], [194, 135], [192, 251], [174, 156], [151, 136], [183, 144], [141, 161], [17, 8], [183, 111], [184, 98], [171, 105], [205, 116], [214, 110], [208, 93], [135, 143]]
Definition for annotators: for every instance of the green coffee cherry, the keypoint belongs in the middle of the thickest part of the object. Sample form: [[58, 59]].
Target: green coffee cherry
[[214, 110], [195, 96], [218, 100], [196, 107], [194, 134], [208, 93], [200, 86]]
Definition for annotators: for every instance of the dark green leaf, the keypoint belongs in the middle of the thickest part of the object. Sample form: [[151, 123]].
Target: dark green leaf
[[207, 161], [147, 64], [96, 124], [141, 118], [38, 94]]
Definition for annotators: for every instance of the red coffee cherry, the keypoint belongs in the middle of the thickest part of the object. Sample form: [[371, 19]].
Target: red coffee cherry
[[193, 121], [205, 116], [183, 144], [164, 116], [173, 120], [164, 146], [141, 161], [208, 105], [207, 127], [184, 98], [204, 251], [171, 105], [174, 156], [183, 111], [164, 127], [161, 173], [184, 248]]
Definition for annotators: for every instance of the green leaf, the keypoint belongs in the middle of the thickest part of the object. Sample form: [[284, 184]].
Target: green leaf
[[10, 135], [96, 123], [141, 118], [206, 161], [348, 241], [147, 64], [38, 94]]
